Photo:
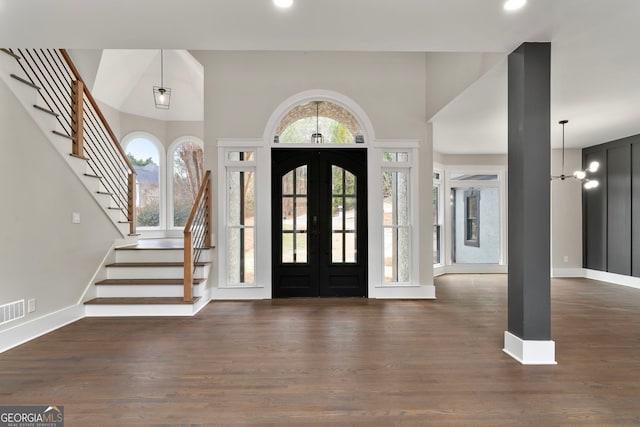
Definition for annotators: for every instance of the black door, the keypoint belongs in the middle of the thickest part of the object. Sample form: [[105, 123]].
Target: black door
[[319, 214]]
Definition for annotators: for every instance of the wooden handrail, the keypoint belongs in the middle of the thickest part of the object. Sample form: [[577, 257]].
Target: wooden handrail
[[190, 256], [97, 109]]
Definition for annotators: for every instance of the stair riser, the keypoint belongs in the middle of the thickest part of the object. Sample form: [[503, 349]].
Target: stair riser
[[153, 272], [140, 255], [139, 291], [151, 255], [139, 310], [132, 291], [146, 309]]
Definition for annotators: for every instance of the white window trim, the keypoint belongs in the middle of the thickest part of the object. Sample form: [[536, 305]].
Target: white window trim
[[500, 184], [438, 168], [376, 235], [258, 166]]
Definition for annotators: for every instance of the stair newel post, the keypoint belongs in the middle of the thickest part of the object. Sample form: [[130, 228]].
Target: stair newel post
[[188, 266], [77, 119], [131, 202]]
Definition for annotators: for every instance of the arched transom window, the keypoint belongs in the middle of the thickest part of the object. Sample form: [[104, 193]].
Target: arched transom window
[[319, 121]]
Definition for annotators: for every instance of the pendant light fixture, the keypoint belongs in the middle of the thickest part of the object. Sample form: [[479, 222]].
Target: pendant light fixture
[[317, 138], [580, 175], [162, 94]]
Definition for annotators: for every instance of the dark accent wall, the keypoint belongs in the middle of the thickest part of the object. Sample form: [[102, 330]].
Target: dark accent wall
[[595, 215], [611, 212]]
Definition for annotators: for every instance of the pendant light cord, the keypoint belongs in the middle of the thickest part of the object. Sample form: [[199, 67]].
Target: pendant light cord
[[161, 69], [563, 148]]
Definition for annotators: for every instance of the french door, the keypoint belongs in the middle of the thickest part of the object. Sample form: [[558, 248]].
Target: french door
[[319, 214]]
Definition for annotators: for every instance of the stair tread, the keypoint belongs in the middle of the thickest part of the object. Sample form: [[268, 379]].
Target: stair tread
[[79, 157], [62, 134], [45, 110], [90, 175], [25, 81], [153, 264], [141, 301], [145, 282], [8, 52]]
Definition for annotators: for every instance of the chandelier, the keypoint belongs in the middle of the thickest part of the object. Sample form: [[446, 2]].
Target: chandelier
[[580, 175]]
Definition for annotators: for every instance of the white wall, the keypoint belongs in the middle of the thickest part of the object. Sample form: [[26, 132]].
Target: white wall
[[566, 212], [242, 90], [165, 131], [43, 255], [471, 159], [113, 118], [87, 62], [450, 73]]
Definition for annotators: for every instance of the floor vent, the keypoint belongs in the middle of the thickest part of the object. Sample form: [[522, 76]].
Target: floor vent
[[11, 311]]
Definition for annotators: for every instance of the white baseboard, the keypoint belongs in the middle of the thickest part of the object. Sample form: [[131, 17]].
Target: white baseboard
[[20, 334], [530, 352], [471, 269], [568, 272], [240, 293], [403, 292], [616, 279]]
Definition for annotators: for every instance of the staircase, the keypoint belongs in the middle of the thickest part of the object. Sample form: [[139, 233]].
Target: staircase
[[154, 277], [101, 167], [146, 279]]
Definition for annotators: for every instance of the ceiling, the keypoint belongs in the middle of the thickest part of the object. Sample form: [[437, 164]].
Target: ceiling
[[126, 77], [595, 59]]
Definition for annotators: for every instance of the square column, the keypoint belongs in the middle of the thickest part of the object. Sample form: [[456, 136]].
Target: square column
[[528, 335]]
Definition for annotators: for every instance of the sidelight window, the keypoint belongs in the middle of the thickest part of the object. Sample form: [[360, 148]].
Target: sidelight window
[[241, 226], [396, 225]]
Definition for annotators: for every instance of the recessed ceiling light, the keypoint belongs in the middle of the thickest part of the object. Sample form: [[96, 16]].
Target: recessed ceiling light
[[514, 4], [283, 3]]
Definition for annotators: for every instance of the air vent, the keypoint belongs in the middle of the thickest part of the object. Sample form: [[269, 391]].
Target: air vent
[[11, 311]]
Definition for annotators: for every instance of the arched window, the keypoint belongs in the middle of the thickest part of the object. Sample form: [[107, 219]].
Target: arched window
[[147, 156], [186, 166], [319, 121]]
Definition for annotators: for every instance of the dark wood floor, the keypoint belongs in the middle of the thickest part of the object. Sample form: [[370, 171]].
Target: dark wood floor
[[335, 362]]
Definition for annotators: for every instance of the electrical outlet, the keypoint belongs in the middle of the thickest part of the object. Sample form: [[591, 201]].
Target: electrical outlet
[[75, 218], [31, 305], [566, 258]]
